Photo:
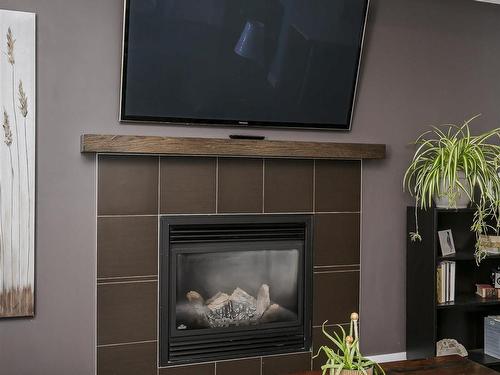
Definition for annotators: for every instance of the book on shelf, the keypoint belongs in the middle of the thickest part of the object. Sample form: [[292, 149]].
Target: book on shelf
[[445, 281], [453, 267], [440, 284], [487, 291]]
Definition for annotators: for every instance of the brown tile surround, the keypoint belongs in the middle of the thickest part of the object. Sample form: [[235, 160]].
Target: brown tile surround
[[128, 246], [337, 185], [133, 190], [288, 185], [127, 185], [339, 246], [201, 369], [286, 364], [126, 312], [132, 359], [240, 185], [336, 296], [250, 366], [187, 185]]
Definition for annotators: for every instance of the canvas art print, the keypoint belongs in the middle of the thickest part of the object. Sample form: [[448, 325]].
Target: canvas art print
[[17, 163]]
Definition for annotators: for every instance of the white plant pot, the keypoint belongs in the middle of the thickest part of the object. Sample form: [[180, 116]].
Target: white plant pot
[[463, 199]]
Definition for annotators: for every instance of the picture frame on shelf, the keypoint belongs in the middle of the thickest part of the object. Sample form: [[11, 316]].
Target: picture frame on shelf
[[446, 242]]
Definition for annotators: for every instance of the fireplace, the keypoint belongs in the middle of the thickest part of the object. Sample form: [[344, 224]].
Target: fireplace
[[234, 286]]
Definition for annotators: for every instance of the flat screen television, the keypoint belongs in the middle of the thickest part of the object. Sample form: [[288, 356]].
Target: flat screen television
[[267, 63]]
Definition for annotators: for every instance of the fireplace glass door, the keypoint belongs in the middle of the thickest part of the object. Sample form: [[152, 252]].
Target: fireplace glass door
[[242, 285]]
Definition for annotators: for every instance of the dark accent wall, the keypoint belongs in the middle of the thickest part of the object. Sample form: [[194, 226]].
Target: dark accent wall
[[425, 62], [134, 191]]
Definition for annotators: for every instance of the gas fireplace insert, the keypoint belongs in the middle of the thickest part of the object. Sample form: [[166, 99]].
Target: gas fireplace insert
[[234, 286]]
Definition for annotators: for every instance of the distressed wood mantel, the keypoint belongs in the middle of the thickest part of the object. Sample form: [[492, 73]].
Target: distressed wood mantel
[[133, 144]]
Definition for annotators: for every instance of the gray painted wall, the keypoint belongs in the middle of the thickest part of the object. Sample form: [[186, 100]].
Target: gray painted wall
[[426, 61]]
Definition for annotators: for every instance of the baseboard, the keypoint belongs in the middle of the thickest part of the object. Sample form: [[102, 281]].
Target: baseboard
[[390, 357]]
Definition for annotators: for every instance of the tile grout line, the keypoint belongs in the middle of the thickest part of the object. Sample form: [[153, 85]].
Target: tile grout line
[[360, 239], [129, 282], [263, 185], [287, 354], [217, 185], [336, 268], [126, 215], [158, 202], [340, 271], [158, 244], [96, 187], [339, 266], [127, 277], [187, 365], [126, 343], [334, 271], [314, 188], [230, 213]]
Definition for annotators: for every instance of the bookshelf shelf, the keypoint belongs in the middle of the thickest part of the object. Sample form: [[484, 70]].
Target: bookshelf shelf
[[478, 355], [466, 256], [451, 210], [457, 256], [427, 321], [468, 300]]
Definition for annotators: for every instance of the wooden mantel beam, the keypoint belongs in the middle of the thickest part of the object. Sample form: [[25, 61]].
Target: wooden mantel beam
[[133, 144]]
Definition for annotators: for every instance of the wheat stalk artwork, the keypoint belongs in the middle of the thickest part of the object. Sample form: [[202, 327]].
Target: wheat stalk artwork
[[17, 163]]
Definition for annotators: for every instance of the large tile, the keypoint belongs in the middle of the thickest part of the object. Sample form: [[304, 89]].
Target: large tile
[[240, 185], [130, 359], [240, 367], [127, 185], [336, 239], [126, 312], [319, 339], [288, 185], [187, 185], [286, 364], [336, 296], [338, 186], [201, 369], [127, 246]]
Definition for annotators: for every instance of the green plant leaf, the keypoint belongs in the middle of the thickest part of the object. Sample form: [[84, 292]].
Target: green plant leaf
[[443, 153]]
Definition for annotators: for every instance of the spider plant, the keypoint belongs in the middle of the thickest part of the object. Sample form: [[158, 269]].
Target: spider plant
[[345, 356], [450, 162]]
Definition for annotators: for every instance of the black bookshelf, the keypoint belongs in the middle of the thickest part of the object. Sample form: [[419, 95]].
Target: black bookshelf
[[427, 321]]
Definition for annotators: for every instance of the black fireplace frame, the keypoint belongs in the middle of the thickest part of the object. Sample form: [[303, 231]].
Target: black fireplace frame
[[301, 328]]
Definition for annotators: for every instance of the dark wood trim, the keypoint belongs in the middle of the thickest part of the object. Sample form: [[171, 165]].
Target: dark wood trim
[[129, 144], [420, 286]]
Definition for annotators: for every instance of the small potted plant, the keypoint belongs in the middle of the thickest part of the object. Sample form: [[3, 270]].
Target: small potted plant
[[453, 169], [345, 358]]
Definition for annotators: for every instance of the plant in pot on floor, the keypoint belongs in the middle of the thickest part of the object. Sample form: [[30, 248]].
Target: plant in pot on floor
[[345, 358], [453, 169]]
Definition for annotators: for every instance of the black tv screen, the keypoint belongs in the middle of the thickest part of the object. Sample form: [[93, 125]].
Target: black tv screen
[[272, 63]]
